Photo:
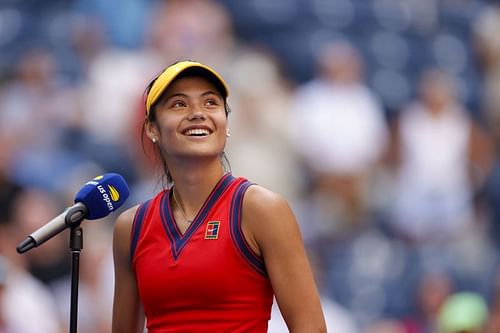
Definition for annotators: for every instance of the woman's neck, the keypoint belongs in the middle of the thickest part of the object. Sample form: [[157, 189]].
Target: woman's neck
[[194, 182]]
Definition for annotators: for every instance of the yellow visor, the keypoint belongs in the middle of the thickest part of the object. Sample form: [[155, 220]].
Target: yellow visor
[[169, 75]]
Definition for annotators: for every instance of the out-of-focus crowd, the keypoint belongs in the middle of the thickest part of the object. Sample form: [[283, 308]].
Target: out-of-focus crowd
[[378, 120]]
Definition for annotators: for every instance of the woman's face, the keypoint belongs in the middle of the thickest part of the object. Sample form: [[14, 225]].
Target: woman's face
[[190, 120]]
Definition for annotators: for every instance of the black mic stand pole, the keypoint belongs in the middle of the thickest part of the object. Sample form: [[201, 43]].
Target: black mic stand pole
[[73, 219]]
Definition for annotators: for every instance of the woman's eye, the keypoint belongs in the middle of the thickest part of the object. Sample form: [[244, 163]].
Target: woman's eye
[[178, 104], [211, 102]]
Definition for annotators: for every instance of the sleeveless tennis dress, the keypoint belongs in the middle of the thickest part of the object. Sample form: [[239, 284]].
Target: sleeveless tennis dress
[[207, 279]]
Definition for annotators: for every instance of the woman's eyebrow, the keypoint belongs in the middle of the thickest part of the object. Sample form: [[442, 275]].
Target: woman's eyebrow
[[183, 95], [210, 92], [176, 95]]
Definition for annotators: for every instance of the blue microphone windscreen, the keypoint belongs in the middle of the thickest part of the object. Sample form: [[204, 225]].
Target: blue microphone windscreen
[[103, 194]]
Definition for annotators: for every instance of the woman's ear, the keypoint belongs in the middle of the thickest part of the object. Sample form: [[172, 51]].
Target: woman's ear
[[151, 132]]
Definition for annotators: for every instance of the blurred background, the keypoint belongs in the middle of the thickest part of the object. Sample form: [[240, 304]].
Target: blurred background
[[378, 120]]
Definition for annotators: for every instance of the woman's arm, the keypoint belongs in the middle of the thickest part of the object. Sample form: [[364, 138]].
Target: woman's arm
[[272, 231], [128, 316]]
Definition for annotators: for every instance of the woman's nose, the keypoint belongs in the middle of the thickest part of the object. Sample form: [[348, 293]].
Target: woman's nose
[[197, 113]]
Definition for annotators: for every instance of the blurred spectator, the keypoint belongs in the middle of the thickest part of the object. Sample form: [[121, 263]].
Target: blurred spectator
[[26, 305], [113, 85], [463, 312], [491, 194], [200, 30], [368, 273], [432, 291], [442, 157], [340, 133], [35, 108], [338, 319], [32, 209], [487, 47], [3, 278], [384, 326], [8, 188], [493, 323], [112, 15], [260, 145]]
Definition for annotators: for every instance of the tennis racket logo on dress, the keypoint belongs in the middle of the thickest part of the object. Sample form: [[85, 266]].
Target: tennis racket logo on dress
[[212, 231]]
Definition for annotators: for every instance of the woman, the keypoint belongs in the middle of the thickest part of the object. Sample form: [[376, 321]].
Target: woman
[[208, 253]]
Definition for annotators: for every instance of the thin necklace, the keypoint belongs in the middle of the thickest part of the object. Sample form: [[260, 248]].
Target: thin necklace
[[181, 208]]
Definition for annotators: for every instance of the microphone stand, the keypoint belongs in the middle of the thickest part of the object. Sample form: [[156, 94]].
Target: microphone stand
[[74, 218]]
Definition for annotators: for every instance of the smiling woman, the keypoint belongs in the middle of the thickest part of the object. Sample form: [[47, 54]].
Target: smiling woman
[[189, 120], [209, 252], [160, 100]]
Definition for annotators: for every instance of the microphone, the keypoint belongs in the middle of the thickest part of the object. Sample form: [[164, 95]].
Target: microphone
[[96, 199]]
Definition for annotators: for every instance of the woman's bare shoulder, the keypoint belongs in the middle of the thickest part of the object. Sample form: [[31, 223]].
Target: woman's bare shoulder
[[263, 200], [264, 210], [123, 225]]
